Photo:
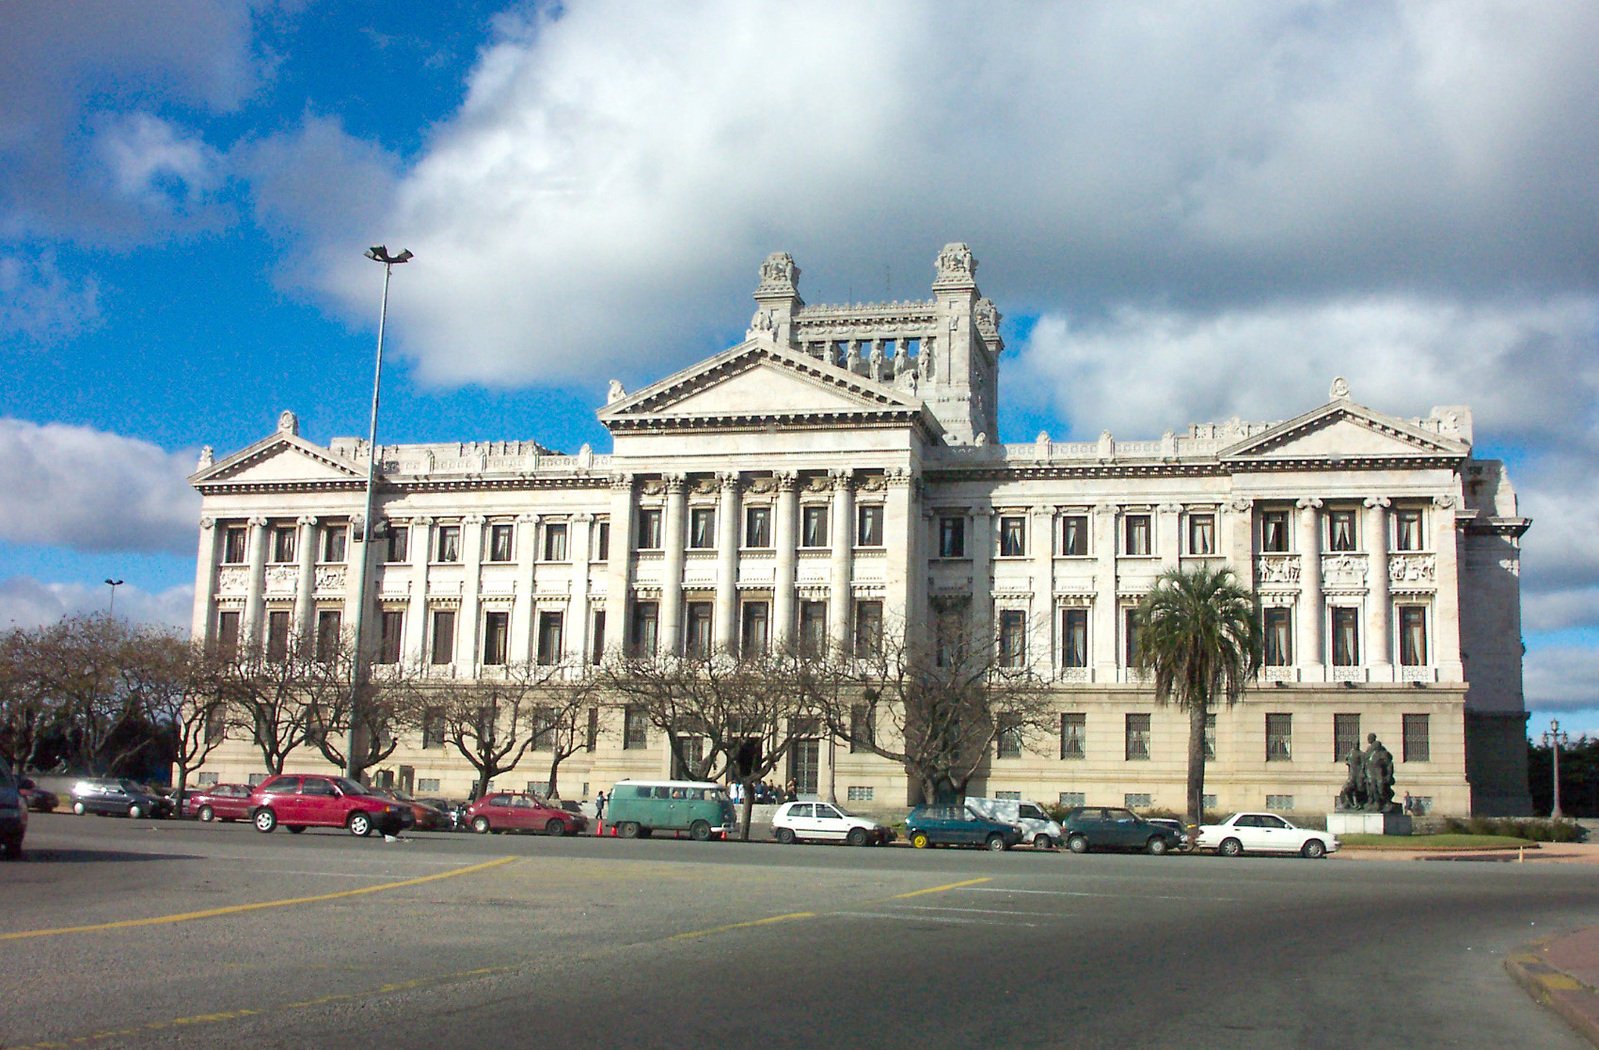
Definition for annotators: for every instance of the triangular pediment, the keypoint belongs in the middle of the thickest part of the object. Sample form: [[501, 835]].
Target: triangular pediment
[[759, 380], [1343, 430], [282, 458]]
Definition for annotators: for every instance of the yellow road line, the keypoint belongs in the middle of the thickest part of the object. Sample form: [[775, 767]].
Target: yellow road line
[[237, 909], [940, 889], [743, 925]]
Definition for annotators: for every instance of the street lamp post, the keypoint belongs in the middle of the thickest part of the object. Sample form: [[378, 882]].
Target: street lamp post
[[1553, 737], [111, 608], [363, 561]]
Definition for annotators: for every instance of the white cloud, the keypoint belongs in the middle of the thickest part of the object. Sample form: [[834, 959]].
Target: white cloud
[[40, 303], [155, 164], [26, 602], [1561, 677], [89, 490]]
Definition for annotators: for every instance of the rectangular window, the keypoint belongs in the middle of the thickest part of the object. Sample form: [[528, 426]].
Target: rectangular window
[[702, 528], [544, 729], [649, 529], [1012, 536], [1412, 636], [283, 543], [448, 548], [551, 630], [602, 541], [1346, 736], [597, 638], [635, 728], [396, 542], [860, 793], [697, 640], [1279, 636], [1407, 530], [813, 628], [555, 541], [646, 628], [1008, 741], [591, 739], [1136, 535], [427, 785], [1073, 735], [1209, 743], [334, 540], [868, 628], [1274, 531], [757, 526], [1073, 798], [391, 632], [442, 650], [432, 727], [277, 648], [1417, 745], [1012, 638], [1280, 802], [1201, 534], [206, 780], [1074, 536], [329, 625], [500, 542], [862, 730], [1346, 636], [1137, 738], [869, 525], [753, 628], [1130, 631], [228, 632], [1279, 738], [813, 525], [1074, 638], [1341, 530], [951, 537], [235, 545], [496, 637], [1137, 800]]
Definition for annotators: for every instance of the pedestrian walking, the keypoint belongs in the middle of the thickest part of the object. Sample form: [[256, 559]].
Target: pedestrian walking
[[599, 805]]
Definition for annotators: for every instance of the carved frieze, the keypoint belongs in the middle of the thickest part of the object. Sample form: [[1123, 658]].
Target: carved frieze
[[329, 578], [1411, 568], [232, 579], [1277, 568], [1343, 570], [281, 578]]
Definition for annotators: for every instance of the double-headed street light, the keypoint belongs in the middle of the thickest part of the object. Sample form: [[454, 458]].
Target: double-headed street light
[[111, 609], [1554, 738], [363, 561]]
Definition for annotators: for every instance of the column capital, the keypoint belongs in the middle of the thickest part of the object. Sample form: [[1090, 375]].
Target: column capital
[[258, 522], [583, 516], [208, 523], [1308, 503], [621, 481], [728, 479], [1170, 508], [528, 518], [842, 479], [472, 519], [674, 482], [1240, 505], [1377, 501], [786, 480], [1446, 501], [306, 519], [897, 477], [423, 519]]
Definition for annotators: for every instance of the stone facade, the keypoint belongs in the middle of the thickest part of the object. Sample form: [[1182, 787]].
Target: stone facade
[[842, 462]]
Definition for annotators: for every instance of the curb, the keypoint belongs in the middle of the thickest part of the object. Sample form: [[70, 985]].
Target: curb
[[1556, 989]]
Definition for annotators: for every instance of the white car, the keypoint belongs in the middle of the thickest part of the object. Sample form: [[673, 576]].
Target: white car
[[1264, 833], [822, 822]]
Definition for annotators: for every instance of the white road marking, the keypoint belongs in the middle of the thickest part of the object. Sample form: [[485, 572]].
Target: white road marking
[[901, 917], [1113, 896], [985, 911]]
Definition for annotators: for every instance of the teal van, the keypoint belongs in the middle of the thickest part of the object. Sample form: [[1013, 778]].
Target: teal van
[[638, 808]]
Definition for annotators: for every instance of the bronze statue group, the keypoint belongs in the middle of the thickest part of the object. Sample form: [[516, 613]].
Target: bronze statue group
[[1370, 784]]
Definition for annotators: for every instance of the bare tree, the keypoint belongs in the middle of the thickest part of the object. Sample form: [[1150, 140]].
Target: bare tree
[[180, 688], [79, 662], [29, 713], [279, 698], [561, 718], [388, 701], [492, 720]]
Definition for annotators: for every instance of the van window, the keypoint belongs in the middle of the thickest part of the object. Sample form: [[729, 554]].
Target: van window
[[662, 792], [1031, 812]]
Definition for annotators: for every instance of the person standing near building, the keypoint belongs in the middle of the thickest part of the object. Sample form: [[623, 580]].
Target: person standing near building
[[599, 806]]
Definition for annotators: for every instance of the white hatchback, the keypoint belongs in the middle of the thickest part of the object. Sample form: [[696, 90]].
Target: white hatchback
[[823, 822], [1264, 833]]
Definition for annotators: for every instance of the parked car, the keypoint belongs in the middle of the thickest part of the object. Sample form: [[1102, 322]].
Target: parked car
[[37, 798], [1185, 841], [955, 825], [218, 802], [426, 817], [512, 811], [638, 808], [13, 814], [1039, 829], [823, 822], [1265, 833], [451, 808], [118, 797], [1113, 827], [317, 800]]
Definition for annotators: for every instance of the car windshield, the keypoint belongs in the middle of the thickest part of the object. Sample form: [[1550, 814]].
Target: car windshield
[[350, 787], [133, 786]]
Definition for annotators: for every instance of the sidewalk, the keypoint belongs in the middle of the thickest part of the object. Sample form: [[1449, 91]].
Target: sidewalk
[[1562, 973]]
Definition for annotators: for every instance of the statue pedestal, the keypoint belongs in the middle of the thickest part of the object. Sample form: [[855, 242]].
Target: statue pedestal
[[1357, 822]]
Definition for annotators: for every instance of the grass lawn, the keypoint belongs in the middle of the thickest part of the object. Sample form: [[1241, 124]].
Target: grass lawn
[[1433, 842]]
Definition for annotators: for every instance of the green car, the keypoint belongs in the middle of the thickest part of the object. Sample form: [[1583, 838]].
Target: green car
[[955, 825], [1112, 827]]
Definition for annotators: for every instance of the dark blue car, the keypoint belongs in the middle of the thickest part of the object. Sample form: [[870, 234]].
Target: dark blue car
[[955, 825]]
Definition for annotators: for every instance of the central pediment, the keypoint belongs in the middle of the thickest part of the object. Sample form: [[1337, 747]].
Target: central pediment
[[278, 460], [1341, 431]]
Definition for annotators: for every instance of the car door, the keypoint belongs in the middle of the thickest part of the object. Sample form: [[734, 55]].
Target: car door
[[1121, 828], [521, 813], [829, 823], [319, 803], [1276, 836], [1247, 830], [801, 819]]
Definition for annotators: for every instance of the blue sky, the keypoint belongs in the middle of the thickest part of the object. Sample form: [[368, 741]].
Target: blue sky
[[1185, 212]]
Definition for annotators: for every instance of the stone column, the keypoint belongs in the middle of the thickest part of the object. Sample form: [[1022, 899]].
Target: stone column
[[899, 548], [577, 605], [728, 536], [839, 594], [982, 555], [1379, 630], [466, 624], [1105, 631], [304, 616], [672, 567], [1310, 612], [522, 605], [1168, 535], [1446, 601], [1041, 610], [617, 575], [203, 626], [785, 539], [255, 586], [1235, 534], [419, 543]]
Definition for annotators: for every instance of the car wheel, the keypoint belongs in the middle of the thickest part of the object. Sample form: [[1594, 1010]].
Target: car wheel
[[480, 824], [996, 844], [627, 830], [1043, 842], [294, 829], [920, 840], [1312, 849], [1230, 848], [207, 814], [555, 827], [360, 825], [79, 808], [1077, 844], [1156, 846], [785, 836], [856, 837], [700, 831], [135, 811], [265, 820]]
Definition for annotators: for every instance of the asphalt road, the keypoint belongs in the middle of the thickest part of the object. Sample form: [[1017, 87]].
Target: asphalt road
[[144, 934]]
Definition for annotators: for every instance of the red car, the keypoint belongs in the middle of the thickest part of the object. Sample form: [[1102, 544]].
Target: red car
[[218, 802], [507, 811], [425, 817], [317, 800]]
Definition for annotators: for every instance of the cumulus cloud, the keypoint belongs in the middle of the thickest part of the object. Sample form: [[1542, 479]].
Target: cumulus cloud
[[156, 164], [26, 602], [89, 490]]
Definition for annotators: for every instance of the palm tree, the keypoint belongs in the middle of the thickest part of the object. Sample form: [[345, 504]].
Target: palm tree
[[1199, 634]]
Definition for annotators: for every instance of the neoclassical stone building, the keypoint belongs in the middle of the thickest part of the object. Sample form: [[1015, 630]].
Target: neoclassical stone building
[[839, 469]]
